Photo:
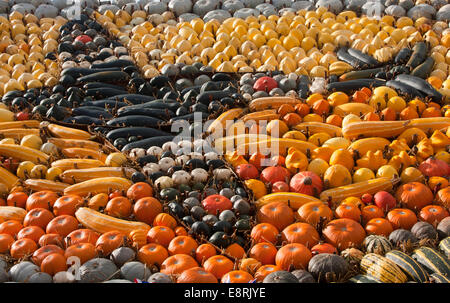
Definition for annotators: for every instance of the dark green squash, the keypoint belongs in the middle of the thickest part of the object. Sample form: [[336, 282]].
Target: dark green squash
[[432, 260], [363, 279], [444, 247], [439, 278]]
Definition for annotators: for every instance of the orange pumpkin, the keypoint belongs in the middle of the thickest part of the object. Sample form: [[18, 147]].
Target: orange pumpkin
[[6, 240], [313, 212], [109, 241], [371, 211], [414, 195], [264, 252], [344, 233], [41, 199], [348, 211], [236, 276], [402, 218], [443, 197], [139, 190], [160, 235], [146, 209], [278, 214], [264, 271], [293, 256], [152, 254], [204, 252], [182, 245], [235, 250], [379, 226], [176, 264], [83, 251], [218, 266], [302, 233], [433, 214], [196, 275]]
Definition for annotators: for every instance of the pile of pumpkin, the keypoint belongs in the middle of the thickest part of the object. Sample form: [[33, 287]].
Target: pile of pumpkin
[[28, 48], [304, 42]]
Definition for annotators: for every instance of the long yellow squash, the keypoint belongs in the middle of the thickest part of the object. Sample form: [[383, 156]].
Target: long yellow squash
[[294, 200], [68, 132], [8, 178], [67, 143], [98, 186], [372, 186], [366, 144], [18, 133], [83, 153], [264, 115], [430, 124], [12, 213], [23, 153], [271, 103], [103, 223], [319, 127], [355, 108], [72, 176], [219, 125], [20, 124], [384, 129], [230, 142], [44, 184], [283, 145], [65, 164]]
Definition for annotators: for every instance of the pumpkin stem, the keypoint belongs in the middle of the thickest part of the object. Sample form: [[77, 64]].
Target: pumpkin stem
[[307, 181]]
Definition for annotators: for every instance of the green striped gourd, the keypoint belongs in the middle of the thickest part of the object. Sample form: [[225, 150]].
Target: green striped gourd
[[432, 260], [409, 266], [382, 269]]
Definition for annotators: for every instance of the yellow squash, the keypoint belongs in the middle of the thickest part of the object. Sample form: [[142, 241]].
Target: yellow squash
[[319, 127], [18, 133], [65, 164], [355, 108], [20, 124], [103, 223], [98, 186], [68, 143], [220, 124], [12, 213], [368, 144], [8, 178], [83, 153], [72, 176], [430, 124], [271, 103], [44, 184], [283, 144], [294, 200], [372, 186], [23, 153], [68, 132], [384, 129]]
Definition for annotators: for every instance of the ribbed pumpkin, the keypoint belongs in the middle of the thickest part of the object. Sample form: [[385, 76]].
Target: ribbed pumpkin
[[352, 255], [301, 233], [414, 195], [307, 183], [377, 244], [443, 197]]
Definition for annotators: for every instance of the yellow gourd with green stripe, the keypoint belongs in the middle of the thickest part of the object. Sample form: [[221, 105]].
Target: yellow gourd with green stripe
[[382, 269]]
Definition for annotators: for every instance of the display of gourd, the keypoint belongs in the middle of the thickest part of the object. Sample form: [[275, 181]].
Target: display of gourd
[[326, 158]]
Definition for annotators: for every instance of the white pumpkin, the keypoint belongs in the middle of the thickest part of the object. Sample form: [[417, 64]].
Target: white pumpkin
[[211, 156], [170, 146], [195, 155], [199, 175], [222, 173], [185, 145], [151, 168], [181, 160], [179, 7], [181, 177], [155, 151], [49, 148], [164, 182], [166, 163], [137, 153]]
